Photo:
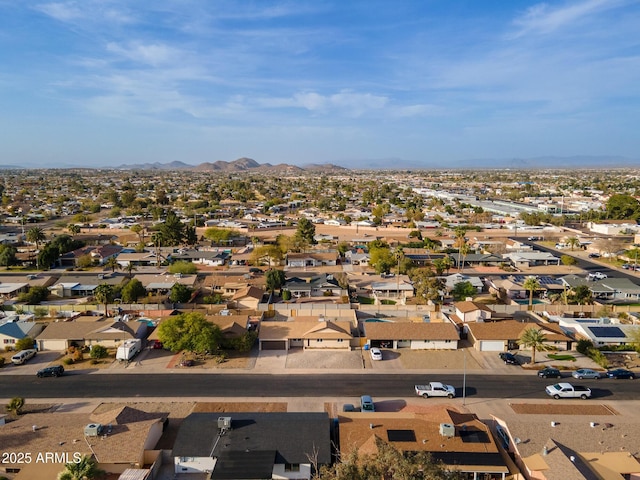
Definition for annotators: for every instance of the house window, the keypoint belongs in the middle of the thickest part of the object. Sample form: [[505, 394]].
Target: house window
[[319, 340], [340, 340], [291, 467]]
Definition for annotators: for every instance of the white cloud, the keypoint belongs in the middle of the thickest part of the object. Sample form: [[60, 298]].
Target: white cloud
[[345, 102], [62, 11], [151, 54], [543, 18]]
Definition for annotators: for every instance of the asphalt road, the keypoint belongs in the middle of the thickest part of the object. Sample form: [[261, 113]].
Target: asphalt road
[[294, 385]]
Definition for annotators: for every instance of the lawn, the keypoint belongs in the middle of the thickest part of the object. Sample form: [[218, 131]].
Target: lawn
[[561, 357]]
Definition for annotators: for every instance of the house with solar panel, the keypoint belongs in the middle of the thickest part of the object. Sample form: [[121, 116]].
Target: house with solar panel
[[600, 331]]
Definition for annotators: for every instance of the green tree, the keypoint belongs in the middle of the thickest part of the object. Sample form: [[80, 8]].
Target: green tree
[[535, 339], [24, 344], [8, 255], [132, 291], [271, 253], [104, 294], [183, 267], [16, 405], [428, 287], [306, 231], [189, 332], [381, 259], [112, 263], [219, 235], [387, 463], [180, 293], [462, 290], [34, 295], [98, 351], [130, 268], [568, 260], [274, 279], [531, 284], [85, 469], [73, 229], [623, 207], [172, 230], [581, 295], [36, 235], [573, 242]]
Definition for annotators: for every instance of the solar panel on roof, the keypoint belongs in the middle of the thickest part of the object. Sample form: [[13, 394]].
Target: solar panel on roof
[[607, 332], [401, 435]]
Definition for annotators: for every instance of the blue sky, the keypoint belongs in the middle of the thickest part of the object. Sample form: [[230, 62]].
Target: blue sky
[[432, 83]]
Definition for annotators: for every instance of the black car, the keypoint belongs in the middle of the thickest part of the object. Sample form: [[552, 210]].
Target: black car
[[594, 255], [509, 358], [621, 373], [53, 371], [549, 372]]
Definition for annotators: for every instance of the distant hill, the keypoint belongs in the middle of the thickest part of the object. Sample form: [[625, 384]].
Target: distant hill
[[240, 165]]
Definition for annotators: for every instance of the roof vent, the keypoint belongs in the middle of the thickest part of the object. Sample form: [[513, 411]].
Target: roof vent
[[447, 430], [224, 423], [93, 430]]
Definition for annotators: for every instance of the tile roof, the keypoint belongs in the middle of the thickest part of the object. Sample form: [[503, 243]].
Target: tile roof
[[305, 329], [410, 331], [466, 307]]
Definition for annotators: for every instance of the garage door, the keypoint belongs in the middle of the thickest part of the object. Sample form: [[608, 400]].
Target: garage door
[[492, 346], [273, 345]]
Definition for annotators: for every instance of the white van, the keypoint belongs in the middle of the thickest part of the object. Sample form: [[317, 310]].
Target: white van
[[22, 356]]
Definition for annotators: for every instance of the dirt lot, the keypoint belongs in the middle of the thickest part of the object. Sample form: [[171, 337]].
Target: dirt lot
[[561, 409]]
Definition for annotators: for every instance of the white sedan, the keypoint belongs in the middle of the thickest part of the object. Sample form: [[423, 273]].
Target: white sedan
[[376, 354]]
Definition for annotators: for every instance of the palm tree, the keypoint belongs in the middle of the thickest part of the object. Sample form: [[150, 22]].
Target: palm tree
[[531, 284], [573, 242], [85, 469], [104, 294], [36, 235], [463, 251], [112, 263], [130, 268], [535, 339]]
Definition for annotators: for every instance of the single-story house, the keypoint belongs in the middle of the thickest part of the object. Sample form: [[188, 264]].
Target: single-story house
[[162, 283], [531, 259], [476, 259], [312, 259], [413, 335], [316, 286], [307, 333], [99, 254], [212, 258], [89, 330], [543, 447], [12, 329], [251, 445], [248, 297], [459, 440], [119, 439], [502, 335], [600, 331], [472, 312], [452, 280], [84, 285]]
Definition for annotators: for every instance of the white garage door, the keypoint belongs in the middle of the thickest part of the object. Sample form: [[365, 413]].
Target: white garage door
[[492, 346]]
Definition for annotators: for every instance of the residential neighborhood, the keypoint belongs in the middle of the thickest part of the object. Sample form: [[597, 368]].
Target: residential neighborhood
[[458, 281]]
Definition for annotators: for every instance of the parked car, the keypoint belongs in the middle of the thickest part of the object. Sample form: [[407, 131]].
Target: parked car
[[596, 276], [533, 239], [626, 266], [585, 373], [549, 372], [509, 358], [52, 371], [594, 255], [621, 373], [376, 354], [348, 407], [366, 404], [157, 345]]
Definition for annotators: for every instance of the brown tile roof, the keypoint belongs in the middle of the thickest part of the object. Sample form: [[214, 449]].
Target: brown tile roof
[[304, 329], [78, 330], [64, 432], [250, 291], [410, 331], [509, 330], [356, 432]]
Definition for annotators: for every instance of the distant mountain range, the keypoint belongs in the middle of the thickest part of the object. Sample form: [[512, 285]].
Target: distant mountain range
[[248, 164]]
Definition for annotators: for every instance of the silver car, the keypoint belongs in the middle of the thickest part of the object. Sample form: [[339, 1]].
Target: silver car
[[585, 373]]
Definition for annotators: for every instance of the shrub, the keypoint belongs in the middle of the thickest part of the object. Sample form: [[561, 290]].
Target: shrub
[[78, 355], [98, 351], [8, 348], [286, 295], [584, 346], [24, 343], [599, 357], [1, 362], [68, 361]]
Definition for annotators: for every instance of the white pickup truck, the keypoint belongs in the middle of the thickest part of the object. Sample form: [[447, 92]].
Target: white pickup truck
[[435, 389], [566, 390]]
